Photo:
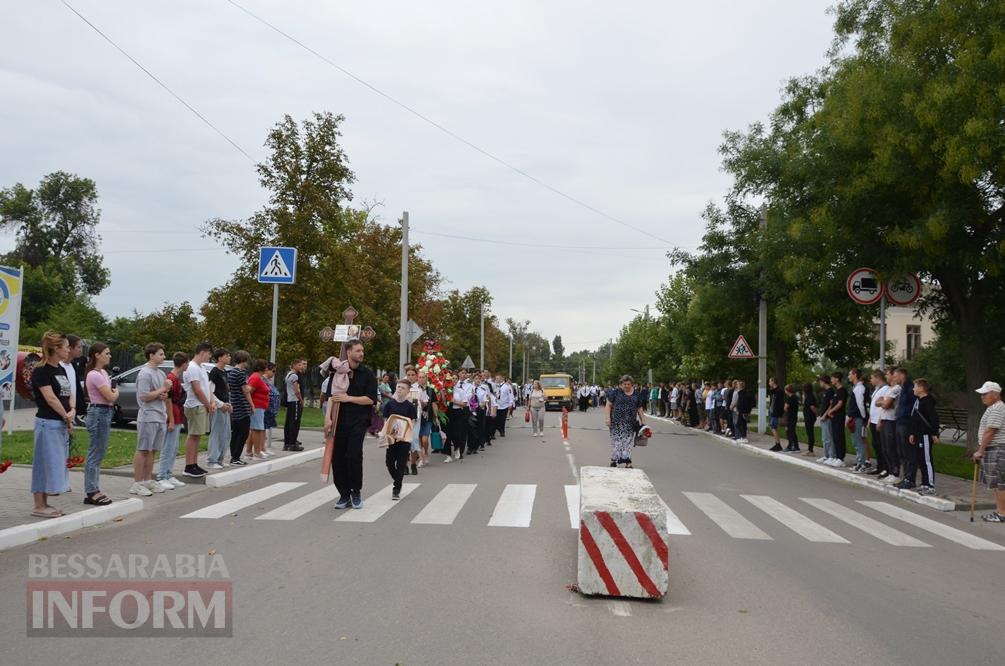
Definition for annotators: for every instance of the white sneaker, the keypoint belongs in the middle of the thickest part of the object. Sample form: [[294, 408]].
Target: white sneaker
[[175, 482], [823, 460], [165, 484], [260, 456], [214, 466], [457, 456], [139, 489], [448, 459], [153, 486], [837, 463], [891, 480]]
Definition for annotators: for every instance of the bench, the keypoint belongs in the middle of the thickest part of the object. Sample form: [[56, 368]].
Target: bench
[[952, 419]]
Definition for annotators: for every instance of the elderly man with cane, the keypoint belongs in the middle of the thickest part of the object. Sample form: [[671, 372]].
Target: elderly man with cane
[[991, 448]]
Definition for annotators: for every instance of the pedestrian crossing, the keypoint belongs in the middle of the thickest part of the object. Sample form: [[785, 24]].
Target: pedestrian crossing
[[758, 518]]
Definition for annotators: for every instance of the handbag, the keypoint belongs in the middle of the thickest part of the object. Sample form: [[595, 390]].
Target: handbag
[[436, 440], [526, 416]]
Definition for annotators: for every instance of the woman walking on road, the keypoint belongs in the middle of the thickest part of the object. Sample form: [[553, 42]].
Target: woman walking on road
[[624, 413], [535, 403]]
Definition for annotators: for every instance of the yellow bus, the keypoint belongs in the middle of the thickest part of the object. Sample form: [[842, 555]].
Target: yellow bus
[[557, 391]]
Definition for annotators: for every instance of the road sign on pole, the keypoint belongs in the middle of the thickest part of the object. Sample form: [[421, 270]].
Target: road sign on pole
[[864, 286], [741, 349], [903, 291], [413, 331], [277, 265]]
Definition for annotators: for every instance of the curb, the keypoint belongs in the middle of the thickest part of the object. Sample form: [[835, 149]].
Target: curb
[[231, 476], [31, 532], [937, 503]]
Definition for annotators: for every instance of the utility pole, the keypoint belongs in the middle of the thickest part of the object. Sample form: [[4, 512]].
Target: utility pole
[[594, 370], [510, 375], [762, 348], [403, 342], [882, 331], [481, 355]]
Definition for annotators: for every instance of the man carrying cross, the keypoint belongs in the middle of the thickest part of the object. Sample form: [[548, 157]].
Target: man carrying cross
[[350, 429]]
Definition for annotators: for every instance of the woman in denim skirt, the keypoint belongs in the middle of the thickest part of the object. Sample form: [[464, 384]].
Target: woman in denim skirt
[[51, 390]]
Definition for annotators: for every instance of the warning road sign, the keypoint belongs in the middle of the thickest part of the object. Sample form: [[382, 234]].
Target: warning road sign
[[277, 265], [741, 349]]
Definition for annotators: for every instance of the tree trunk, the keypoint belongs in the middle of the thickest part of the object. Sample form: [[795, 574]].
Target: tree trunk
[[780, 351], [977, 370]]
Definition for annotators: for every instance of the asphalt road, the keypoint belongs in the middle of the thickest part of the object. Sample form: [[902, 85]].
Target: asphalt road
[[312, 589]]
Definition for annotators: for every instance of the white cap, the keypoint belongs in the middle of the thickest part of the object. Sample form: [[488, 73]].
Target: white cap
[[990, 387]]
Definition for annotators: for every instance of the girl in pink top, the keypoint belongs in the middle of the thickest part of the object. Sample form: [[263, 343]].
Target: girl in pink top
[[99, 419]]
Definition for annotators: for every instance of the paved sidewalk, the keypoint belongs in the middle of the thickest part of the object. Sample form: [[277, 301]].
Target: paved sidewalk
[[952, 493], [16, 501]]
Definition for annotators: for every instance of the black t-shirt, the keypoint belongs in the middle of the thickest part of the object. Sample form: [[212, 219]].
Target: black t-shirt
[[841, 395], [777, 401], [406, 409], [792, 401], [362, 383], [220, 387], [55, 378], [809, 400], [828, 399]]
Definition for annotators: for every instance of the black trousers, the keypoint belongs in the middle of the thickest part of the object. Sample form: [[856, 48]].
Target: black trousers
[[810, 420], [291, 429], [790, 431], [396, 460], [891, 454], [838, 433], [500, 424], [476, 432], [741, 425], [239, 429], [457, 428], [905, 450], [877, 447], [347, 458], [921, 458]]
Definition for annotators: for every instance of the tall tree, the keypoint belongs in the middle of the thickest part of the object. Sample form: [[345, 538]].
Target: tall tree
[[55, 226], [345, 257], [558, 347]]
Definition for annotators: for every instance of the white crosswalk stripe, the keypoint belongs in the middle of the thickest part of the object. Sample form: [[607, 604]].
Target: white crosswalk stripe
[[937, 528], [375, 505], [221, 509], [726, 517], [515, 506], [674, 524], [572, 503], [865, 523], [794, 520], [443, 509], [302, 505]]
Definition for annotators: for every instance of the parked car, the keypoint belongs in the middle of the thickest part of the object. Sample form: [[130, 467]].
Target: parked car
[[127, 407]]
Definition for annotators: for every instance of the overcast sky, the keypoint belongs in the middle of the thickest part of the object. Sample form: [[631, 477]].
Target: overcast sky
[[621, 105]]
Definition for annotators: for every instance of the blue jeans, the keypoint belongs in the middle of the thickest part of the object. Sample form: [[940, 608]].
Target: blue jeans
[[861, 452], [828, 437], [168, 453], [99, 427], [219, 436]]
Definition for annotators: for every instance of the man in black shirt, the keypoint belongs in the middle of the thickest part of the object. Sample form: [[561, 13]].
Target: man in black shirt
[[350, 430], [837, 414]]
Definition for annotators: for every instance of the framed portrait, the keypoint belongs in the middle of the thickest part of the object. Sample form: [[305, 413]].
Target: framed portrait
[[397, 428]]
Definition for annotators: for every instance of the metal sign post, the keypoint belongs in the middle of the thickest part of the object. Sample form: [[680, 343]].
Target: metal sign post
[[276, 266]]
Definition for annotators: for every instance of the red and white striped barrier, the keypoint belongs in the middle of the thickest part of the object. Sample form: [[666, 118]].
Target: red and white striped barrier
[[623, 549]]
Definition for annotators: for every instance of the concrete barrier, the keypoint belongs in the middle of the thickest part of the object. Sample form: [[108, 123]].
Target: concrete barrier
[[623, 549]]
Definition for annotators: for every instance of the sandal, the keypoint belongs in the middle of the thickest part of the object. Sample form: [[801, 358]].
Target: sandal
[[98, 499], [48, 512]]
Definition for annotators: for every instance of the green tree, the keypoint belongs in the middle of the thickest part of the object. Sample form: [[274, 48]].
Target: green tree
[[55, 227], [893, 157], [344, 256], [558, 347]]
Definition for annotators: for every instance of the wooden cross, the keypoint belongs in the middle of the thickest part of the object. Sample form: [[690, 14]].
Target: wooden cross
[[366, 335]]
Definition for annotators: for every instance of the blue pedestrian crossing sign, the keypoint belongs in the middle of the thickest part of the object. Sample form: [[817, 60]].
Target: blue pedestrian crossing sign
[[277, 265]]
